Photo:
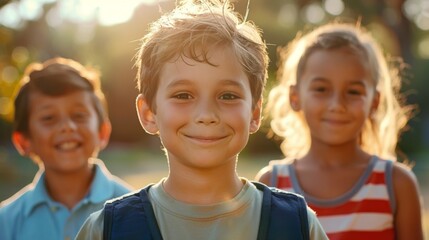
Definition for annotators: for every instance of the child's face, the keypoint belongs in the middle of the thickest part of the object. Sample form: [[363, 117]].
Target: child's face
[[203, 113], [336, 95], [63, 131]]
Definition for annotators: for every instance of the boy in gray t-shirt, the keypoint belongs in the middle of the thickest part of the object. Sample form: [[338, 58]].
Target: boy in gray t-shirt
[[202, 70]]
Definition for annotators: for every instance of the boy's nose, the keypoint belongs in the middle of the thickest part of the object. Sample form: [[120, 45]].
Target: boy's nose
[[67, 124], [206, 113]]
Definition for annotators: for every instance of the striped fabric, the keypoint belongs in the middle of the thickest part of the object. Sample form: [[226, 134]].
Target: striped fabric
[[364, 212]]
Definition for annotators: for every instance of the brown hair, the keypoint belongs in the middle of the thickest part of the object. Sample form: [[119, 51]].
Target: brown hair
[[55, 77], [191, 30]]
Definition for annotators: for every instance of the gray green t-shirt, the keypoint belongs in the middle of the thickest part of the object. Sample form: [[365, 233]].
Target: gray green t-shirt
[[237, 218]]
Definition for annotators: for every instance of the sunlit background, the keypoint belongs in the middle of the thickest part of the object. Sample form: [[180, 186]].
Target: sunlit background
[[105, 34]]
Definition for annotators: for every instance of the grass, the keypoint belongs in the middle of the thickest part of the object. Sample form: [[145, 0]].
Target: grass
[[140, 166]]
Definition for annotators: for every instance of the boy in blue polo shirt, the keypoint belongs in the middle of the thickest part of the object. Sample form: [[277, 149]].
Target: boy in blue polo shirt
[[61, 123]]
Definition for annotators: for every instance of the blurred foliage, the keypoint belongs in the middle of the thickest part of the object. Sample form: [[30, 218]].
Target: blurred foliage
[[112, 48]]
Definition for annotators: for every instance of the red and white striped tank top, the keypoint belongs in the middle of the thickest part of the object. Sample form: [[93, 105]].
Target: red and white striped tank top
[[364, 212]]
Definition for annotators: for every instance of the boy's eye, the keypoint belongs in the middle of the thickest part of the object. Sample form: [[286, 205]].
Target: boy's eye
[[182, 96], [80, 116], [228, 96], [47, 118]]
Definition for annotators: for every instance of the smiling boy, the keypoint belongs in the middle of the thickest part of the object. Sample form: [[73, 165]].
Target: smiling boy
[[201, 75], [60, 123]]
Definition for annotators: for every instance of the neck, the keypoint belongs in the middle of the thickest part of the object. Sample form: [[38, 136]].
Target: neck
[[336, 155], [202, 186], [69, 188]]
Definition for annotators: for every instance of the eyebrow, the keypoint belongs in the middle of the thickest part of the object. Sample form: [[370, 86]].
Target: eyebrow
[[178, 83], [232, 83], [48, 106], [185, 82], [43, 108], [352, 82]]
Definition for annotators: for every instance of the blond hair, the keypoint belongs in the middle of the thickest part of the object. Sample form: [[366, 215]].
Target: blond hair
[[191, 30], [381, 130]]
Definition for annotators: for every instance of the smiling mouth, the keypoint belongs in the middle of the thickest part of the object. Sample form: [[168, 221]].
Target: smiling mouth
[[335, 122], [67, 146], [204, 139]]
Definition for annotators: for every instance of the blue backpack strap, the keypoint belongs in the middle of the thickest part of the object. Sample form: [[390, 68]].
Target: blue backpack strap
[[283, 215], [108, 216], [150, 215], [131, 217]]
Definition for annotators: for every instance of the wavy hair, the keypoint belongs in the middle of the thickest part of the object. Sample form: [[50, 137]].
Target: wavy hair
[[191, 30], [381, 130]]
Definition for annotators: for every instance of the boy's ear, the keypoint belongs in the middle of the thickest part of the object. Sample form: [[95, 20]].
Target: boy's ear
[[104, 134], [255, 123], [21, 143], [294, 98], [146, 116]]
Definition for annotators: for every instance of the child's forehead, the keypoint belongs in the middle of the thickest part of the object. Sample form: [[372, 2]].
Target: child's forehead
[[221, 66], [340, 62], [39, 99], [215, 56], [336, 54], [201, 52]]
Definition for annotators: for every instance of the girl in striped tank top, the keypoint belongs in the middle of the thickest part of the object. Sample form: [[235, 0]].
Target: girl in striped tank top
[[337, 109]]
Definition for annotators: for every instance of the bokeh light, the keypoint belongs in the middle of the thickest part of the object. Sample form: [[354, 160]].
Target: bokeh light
[[423, 47], [9, 74], [20, 55], [288, 15], [105, 12], [5, 106], [334, 7], [314, 13]]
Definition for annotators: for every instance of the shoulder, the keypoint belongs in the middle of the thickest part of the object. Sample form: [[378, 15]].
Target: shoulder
[[265, 174], [104, 179], [125, 198], [408, 218], [92, 229], [285, 194], [278, 195], [316, 229], [133, 199], [120, 186], [14, 210], [405, 182], [403, 177], [16, 202]]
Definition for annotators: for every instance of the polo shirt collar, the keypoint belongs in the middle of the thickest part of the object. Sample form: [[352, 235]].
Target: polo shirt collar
[[100, 190], [37, 193]]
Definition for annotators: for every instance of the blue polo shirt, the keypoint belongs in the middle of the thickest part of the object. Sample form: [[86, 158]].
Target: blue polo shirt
[[32, 214]]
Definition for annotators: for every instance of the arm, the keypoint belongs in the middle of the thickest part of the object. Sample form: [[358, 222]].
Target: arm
[[92, 229], [264, 175], [316, 230], [408, 215]]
